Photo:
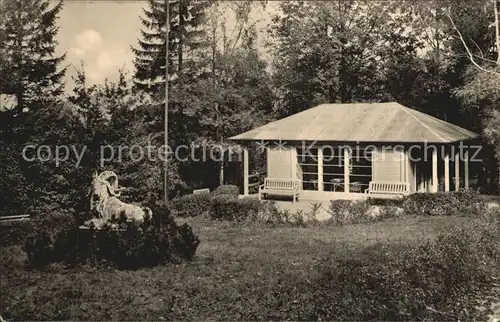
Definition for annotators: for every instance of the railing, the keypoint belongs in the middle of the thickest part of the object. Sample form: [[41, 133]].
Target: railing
[[14, 218], [258, 179], [299, 172]]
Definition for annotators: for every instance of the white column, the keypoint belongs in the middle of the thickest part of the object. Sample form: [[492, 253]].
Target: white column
[[434, 170], [447, 171], [407, 166], [347, 173], [415, 188], [466, 170], [457, 171], [320, 168], [245, 170]]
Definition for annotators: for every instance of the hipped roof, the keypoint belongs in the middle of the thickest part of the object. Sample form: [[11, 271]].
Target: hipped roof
[[359, 122]]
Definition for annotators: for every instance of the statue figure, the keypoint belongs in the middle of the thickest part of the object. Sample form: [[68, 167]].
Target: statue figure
[[104, 193]]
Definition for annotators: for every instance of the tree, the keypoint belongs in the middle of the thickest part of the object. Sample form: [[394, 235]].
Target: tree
[[185, 37], [28, 36], [441, 58], [480, 93], [120, 135], [343, 62], [236, 95], [30, 70]]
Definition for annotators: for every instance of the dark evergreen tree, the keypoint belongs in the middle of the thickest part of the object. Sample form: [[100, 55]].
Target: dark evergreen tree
[[185, 37], [28, 37]]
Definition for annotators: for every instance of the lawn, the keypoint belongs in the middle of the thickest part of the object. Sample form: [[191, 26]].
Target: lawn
[[240, 272]]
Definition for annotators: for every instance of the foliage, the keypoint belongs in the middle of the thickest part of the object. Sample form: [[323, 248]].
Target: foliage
[[14, 232], [441, 65], [119, 137], [27, 51], [444, 204], [31, 71], [185, 37], [15, 189], [269, 213], [49, 240], [344, 60], [231, 190], [347, 212], [192, 205], [125, 245], [227, 207]]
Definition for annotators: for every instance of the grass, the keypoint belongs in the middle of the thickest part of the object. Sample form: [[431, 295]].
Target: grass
[[240, 272]]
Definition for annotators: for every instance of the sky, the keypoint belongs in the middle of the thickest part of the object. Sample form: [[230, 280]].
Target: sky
[[100, 34]]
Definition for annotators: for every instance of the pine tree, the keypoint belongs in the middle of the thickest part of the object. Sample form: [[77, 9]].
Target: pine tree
[[28, 32], [185, 37]]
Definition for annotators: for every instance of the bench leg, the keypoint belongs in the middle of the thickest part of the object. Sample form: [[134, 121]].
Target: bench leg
[[260, 195]]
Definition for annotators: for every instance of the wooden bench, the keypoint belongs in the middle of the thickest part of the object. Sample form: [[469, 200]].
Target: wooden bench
[[280, 187], [387, 190], [201, 191]]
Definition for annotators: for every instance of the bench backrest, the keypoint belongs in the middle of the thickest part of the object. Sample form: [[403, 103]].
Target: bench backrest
[[201, 191], [279, 183], [389, 187]]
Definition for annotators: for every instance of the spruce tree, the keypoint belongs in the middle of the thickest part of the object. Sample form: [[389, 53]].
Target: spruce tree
[[185, 37], [28, 37]]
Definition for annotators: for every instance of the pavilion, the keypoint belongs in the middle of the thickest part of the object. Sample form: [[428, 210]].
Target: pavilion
[[336, 150]]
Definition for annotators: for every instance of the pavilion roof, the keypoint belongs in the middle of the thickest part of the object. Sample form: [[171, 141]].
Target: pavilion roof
[[359, 122]]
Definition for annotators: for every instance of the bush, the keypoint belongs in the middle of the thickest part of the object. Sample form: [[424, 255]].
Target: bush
[[122, 244], [226, 207], [49, 238], [231, 190], [444, 203], [14, 232], [435, 281], [348, 212], [191, 205], [269, 213]]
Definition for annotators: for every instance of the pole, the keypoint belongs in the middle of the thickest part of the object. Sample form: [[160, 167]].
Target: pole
[[167, 27], [497, 30]]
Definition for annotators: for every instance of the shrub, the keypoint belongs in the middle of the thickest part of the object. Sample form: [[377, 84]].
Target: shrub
[[348, 212], [226, 207], [49, 238], [444, 203], [14, 232], [122, 244], [231, 190], [314, 211], [191, 205], [270, 213]]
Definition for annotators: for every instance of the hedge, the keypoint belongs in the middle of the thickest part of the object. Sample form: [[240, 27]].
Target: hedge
[[191, 205], [231, 190], [226, 207], [444, 203], [121, 244]]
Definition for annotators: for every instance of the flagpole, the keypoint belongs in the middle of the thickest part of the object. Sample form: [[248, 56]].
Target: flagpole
[[167, 27]]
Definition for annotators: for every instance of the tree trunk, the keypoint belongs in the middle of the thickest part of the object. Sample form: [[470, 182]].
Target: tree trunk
[[498, 179], [497, 31], [221, 169], [19, 64], [494, 177], [180, 52]]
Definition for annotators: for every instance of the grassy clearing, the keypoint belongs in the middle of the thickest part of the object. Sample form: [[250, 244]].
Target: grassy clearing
[[240, 272]]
